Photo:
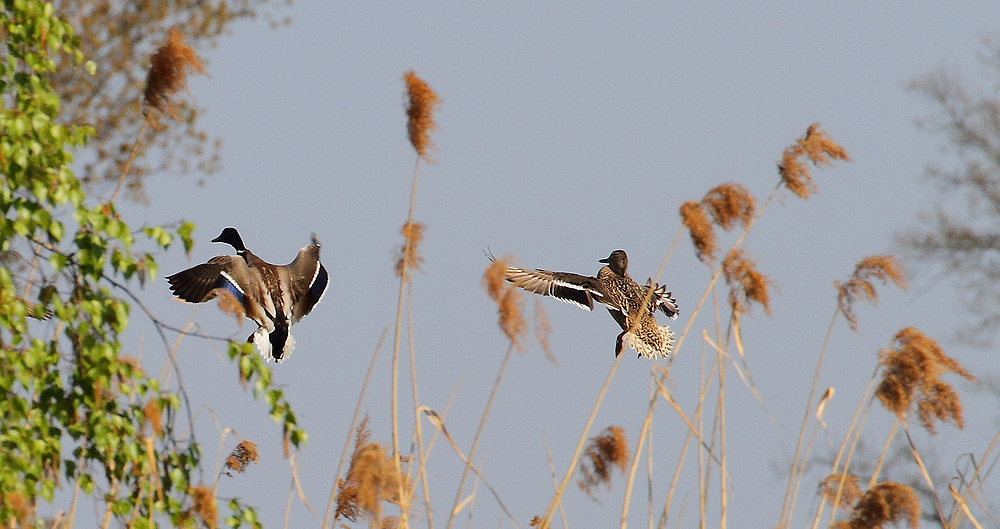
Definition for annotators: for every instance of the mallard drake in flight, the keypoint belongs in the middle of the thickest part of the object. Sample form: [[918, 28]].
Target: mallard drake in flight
[[614, 289], [273, 296]]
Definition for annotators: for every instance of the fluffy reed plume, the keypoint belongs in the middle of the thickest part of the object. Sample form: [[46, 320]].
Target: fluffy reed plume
[[543, 330], [702, 235], [819, 149], [509, 301], [605, 451], [422, 101], [241, 456], [849, 493], [730, 204], [230, 305], [885, 503], [746, 283], [152, 412], [205, 505], [883, 268], [168, 72], [409, 256], [371, 479], [912, 372]]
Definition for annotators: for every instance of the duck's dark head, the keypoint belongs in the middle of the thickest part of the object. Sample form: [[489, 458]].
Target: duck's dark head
[[617, 262], [231, 237]]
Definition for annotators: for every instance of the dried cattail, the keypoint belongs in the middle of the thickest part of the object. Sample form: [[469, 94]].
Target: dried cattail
[[543, 330], [746, 283], [884, 268], [604, 452], [205, 505], [153, 414], [730, 204], [885, 503], [850, 492], [230, 305], [371, 478], [912, 371], [409, 256], [241, 456], [819, 149], [702, 235], [535, 522], [509, 301], [168, 72], [422, 101]]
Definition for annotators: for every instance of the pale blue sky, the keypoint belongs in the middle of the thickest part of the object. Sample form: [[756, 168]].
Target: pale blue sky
[[566, 130]]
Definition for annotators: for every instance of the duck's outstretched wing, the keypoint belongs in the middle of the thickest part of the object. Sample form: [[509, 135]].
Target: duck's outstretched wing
[[662, 300], [565, 286], [308, 280], [198, 283]]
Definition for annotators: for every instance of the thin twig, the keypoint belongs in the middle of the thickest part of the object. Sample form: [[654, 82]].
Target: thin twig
[[128, 162]]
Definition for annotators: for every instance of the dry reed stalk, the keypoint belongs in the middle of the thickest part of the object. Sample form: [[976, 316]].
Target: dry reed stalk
[[859, 287], [421, 104], [603, 453], [643, 433], [479, 431], [557, 497], [965, 508], [887, 502], [334, 490], [912, 374], [418, 431], [543, 331], [818, 148]]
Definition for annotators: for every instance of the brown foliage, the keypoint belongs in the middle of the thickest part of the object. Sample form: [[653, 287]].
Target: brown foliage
[[371, 478], [702, 235], [241, 456], [168, 71], [205, 505], [409, 255], [230, 305], [859, 287], [604, 452], [746, 283], [543, 330], [153, 414], [912, 372], [885, 503], [818, 148], [422, 101], [730, 204], [509, 301]]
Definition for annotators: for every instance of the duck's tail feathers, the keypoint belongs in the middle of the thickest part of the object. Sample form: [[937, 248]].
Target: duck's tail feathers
[[661, 345], [276, 345]]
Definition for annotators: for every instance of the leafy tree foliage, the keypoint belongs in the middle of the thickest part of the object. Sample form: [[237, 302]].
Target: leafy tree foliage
[[76, 411]]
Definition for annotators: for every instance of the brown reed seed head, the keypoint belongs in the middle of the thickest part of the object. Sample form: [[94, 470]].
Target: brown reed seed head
[[19, 503], [409, 255], [152, 412], [730, 204], [817, 146], [205, 505], [509, 301], [543, 330], [168, 71], [230, 305], [860, 286], [604, 452], [702, 235], [912, 371], [746, 284], [422, 101], [850, 492], [241, 456], [370, 480], [885, 503]]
